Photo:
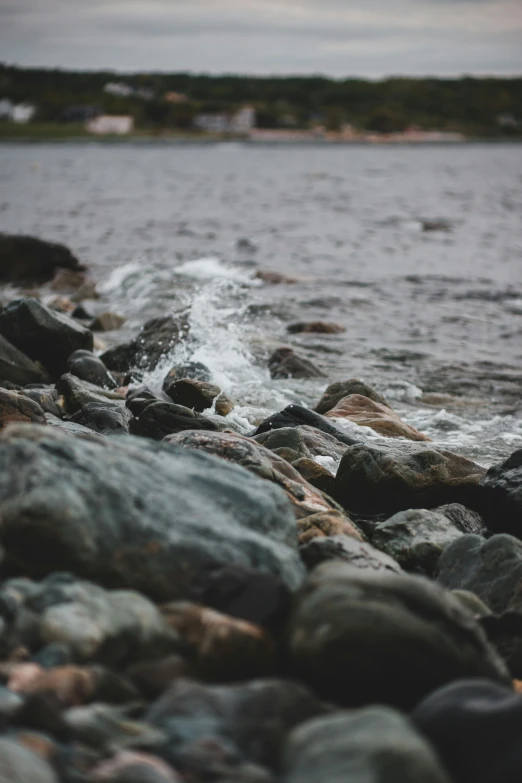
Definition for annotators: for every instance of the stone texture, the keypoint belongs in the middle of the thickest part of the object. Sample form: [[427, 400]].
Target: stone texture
[[16, 367], [501, 498], [28, 260], [77, 393], [335, 392], [104, 417], [463, 518], [375, 415], [47, 398], [161, 419], [285, 363], [326, 523], [88, 367], [16, 407], [198, 395], [156, 340], [341, 547]]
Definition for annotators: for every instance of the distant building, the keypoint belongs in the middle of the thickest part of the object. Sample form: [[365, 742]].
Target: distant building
[[175, 97], [243, 120], [107, 124], [118, 88], [20, 113], [6, 109], [80, 113], [212, 123]]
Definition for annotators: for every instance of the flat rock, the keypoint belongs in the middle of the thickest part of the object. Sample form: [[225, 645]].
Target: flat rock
[[285, 363], [16, 367], [335, 392], [31, 261], [154, 342], [359, 636], [198, 395], [501, 499], [16, 407], [357, 553], [381, 418], [137, 514]]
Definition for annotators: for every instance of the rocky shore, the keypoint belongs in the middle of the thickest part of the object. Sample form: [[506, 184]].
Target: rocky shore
[[181, 601]]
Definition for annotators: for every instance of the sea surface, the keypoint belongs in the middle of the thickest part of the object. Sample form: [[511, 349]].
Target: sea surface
[[416, 251]]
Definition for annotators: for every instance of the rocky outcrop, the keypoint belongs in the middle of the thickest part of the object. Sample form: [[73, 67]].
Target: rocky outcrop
[[16, 407], [156, 340], [375, 415], [198, 395], [337, 391], [30, 261]]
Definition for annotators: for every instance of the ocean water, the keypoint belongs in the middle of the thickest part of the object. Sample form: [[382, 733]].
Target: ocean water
[[415, 251]]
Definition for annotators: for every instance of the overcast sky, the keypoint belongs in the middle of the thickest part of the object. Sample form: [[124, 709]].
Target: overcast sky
[[338, 37]]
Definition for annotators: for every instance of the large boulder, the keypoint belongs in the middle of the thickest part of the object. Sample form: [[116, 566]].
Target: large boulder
[[153, 343], [137, 514], [30, 261], [381, 418], [359, 636], [374, 745], [43, 334], [16, 367], [501, 500], [16, 407], [335, 392]]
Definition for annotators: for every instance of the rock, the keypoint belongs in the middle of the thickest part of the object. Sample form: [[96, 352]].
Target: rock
[[68, 280], [221, 648], [254, 717], [326, 523], [155, 341], [373, 480], [301, 441], [353, 551], [69, 427], [104, 417], [112, 728], [107, 322], [77, 393], [317, 327], [15, 406], [274, 278], [376, 745], [88, 367], [44, 335], [381, 418], [243, 451], [153, 677], [18, 368], [415, 538], [47, 398], [139, 399], [71, 685], [194, 370], [335, 392], [81, 312], [474, 726], [61, 304], [131, 767], [316, 475], [87, 290], [463, 518], [198, 396], [285, 363], [10, 704], [19, 765], [30, 261], [296, 416], [501, 498], [359, 636], [158, 519], [161, 419]]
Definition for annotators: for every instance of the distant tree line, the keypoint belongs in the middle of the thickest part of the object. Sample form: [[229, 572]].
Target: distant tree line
[[474, 106]]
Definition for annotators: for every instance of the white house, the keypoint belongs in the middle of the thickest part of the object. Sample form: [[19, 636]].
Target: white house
[[23, 113], [118, 88], [107, 124]]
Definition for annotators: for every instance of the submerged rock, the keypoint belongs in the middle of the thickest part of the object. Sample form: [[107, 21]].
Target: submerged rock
[[359, 636], [376, 745], [375, 415], [161, 419], [88, 367], [335, 392], [155, 341], [16, 367], [198, 395], [16, 407], [316, 327], [137, 514], [28, 260], [285, 363], [501, 499]]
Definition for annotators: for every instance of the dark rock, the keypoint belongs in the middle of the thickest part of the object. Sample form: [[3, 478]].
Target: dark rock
[[198, 395], [107, 322], [88, 367], [335, 392], [359, 636], [474, 726], [463, 518], [44, 335], [71, 428], [111, 728], [316, 475], [197, 371], [274, 278], [317, 327], [285, 363], [139, 399], [381, 418], [131, 767], [15, 406], [372, 480], [31, 261], [295, 416], [357, 553], [77, 393], [47, 398], [19, 765], [159, 519], [301, 441], [415, 538], [161, 419], [501, 499], [375, 744], [153, 677], [18, 368], [155, 341], [81, 312], [104, 417]]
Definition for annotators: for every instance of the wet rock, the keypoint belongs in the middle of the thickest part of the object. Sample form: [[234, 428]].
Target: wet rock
[[501, 499], [88, 367], [82, 313], [316, 327], [161, 419], [197, 371], [303, 441], [243, 451], [106, 727], [381, 418], [159, 519], [15, 406], [18, 368], [107, 322], [47, 398], [220, 647], [326, 523], [155, 341], [19, 765], [353, 551], [68, 280], [316, 475], [198, 396], [104, 417], [463, 518], [44, 335], [31, 261], [474, 726], [337, 391], [285, 363], [153, 677], [296, 416], [77, 393], [139, 399], [273, 278], [375, 744], [359, 636], [416, 538], [131, 767], [373, 480], [70, 427]]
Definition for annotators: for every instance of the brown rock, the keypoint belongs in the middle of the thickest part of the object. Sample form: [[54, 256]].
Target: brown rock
[[198, 395], [68, 280], [331, 523], [367, 413], [15, 406], [316, 327], [285, 363], [274, 278], [71, 685], [107, 322], [61, 304], [315, 474], [335, 392]]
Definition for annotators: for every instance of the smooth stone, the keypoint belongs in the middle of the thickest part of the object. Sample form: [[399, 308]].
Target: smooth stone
[[463, 518], [44, 335], [138, 399], [379, 417], [19, 765], [335, 392], [372, 745], [357, 553], [315, 327], [159, 518], [293, 443], [88, 367], [28, 260], [104, 417], [359, 636], [157, 338], [16, 407], [68, 280], [107, 322], [47, 398], [295, 416], [18, 368], [501, 499], [285, 363], [198, 395], [161, 419], [77, 393], [195, 370], [415, 538]]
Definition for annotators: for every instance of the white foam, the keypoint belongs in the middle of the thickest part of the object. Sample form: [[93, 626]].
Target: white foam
[[212, 268], [327, 462], [120, 276]]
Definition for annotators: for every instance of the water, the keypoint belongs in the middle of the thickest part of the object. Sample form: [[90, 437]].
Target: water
[[417, 252]]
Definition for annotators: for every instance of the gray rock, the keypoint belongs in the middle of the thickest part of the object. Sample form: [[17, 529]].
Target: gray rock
[[153, 343], [463, 518], [356, 553], [160, 419], [19, 765], [358, 636], [88, 367], [71, 427], [415, 538], [137, 514], [501, 499], [104, 417], [78, 393], [109, 727], [47, 398], [43, 334], [335, 392], [285, 363], [374, 745], [16, 407], [293, 443], [18, 368], [28, 260]]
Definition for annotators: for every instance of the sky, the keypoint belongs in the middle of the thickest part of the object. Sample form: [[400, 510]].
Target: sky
[[368, 38]]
